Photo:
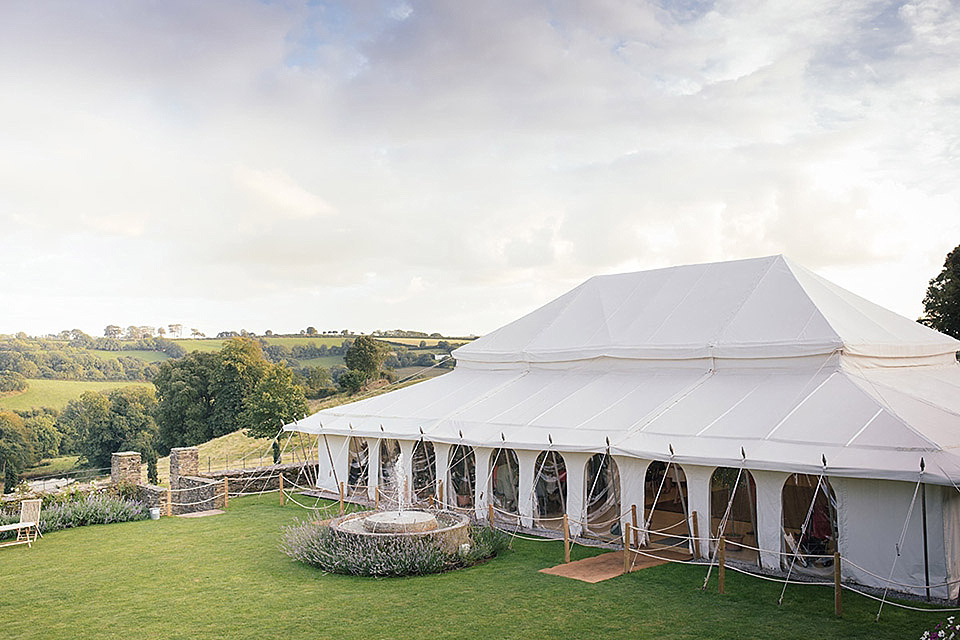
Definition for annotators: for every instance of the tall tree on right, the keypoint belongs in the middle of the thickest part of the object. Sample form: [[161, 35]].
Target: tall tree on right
[[941, 305]]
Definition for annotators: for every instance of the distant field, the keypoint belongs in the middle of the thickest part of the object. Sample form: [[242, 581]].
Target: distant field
[[146, 356], [200, 345], [57, 393], [415, 342], [214, 344]]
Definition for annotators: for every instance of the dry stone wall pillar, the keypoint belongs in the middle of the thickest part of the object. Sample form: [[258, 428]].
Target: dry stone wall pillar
[[125, 467], [184, 461]]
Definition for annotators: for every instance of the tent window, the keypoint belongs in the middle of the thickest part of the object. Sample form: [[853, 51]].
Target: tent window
[[740, 529], [462, 477], [814, 549], [424, 471], [505, 480], [389, 454], [551, 490], [667, 511], [358, 472], [603, 497]]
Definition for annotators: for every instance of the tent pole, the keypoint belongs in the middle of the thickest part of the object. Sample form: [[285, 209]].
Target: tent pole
[[926, 561]]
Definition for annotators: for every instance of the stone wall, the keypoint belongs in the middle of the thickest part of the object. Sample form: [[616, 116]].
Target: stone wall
[[266, 478], [125, 467], [197, 494], [153, 496], [184, 461]]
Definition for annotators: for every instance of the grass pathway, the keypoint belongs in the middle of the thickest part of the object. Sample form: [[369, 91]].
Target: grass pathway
[[223, 577]]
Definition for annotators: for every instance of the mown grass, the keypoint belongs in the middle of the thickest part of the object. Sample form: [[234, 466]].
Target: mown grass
[[51, 466], [236, 450], [324, 361], [57, 393], [223, 577]]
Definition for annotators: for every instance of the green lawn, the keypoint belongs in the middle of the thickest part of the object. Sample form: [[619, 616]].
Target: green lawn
[[50, 466], [223, 577], [57, 393]]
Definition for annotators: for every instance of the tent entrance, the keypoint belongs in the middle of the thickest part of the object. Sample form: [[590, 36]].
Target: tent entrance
[[358, 474], [665, 505], [603, 498], [424, 471], [551, 490], [388, 483], [810, 530], [505, 484], [733, 494], [461, 477]]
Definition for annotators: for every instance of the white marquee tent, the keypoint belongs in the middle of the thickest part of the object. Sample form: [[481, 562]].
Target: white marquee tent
[[757, 364]]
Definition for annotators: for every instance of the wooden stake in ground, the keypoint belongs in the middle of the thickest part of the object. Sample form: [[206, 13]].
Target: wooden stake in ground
[[636, 529], [341, 498], [430, 500], [722, 565], [837, 586], [440, 493], [566, 539], [281, 489], [626, 548], [226, 492], [376, 500], [696, 536], [490, 513]]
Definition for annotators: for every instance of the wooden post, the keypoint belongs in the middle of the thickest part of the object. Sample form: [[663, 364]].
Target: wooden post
[[636, 529], [837, 587], [226, 492], [376, 501], [341, 498], [696, 537], [430, 500], [722, 566], [169, 501], [282, 497], [566, 539], [443, 502], [490, 513], [626, 548]]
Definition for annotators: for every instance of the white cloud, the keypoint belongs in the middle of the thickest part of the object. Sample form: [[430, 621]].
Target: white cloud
[[244, 163]]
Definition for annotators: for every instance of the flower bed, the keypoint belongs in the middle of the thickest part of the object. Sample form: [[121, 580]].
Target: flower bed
[[82, 510], [320, 546]]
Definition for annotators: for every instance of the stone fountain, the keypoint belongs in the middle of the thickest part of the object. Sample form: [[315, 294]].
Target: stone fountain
[[450, 529]]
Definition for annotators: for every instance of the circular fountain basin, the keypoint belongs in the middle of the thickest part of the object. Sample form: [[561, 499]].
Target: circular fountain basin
[[400, 522], [449, 528]]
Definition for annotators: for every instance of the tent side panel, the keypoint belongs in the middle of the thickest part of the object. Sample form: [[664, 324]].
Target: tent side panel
[[872, 514]]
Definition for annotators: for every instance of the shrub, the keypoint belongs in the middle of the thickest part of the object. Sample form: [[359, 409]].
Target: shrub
[[80, 511], [319, 546]]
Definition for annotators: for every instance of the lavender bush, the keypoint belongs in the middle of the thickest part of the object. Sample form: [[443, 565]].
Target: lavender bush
[[89, 509], [948, 630], [319, 546]]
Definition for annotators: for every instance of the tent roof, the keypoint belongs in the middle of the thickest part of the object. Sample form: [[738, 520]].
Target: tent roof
[[637, 362], [758, 308]]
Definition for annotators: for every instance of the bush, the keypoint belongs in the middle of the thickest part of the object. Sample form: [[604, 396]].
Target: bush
[[320, 546], [12, 381], [78, 511]]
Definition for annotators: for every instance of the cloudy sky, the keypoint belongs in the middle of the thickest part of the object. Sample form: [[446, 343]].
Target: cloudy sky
[[450, 166]]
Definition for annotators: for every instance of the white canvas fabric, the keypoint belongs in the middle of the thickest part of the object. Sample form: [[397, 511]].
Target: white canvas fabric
[[756, 358]]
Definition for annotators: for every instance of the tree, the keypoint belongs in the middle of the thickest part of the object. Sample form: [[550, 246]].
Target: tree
[[184, 400], [17, 447], [941, 305], [124, 420], [365, 355], [311, 331], [44, 430], [176, 329], [240, 366], [352, 380], [196, 333], [275, 401], [12, 381], [112, 331], [161, 331]]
